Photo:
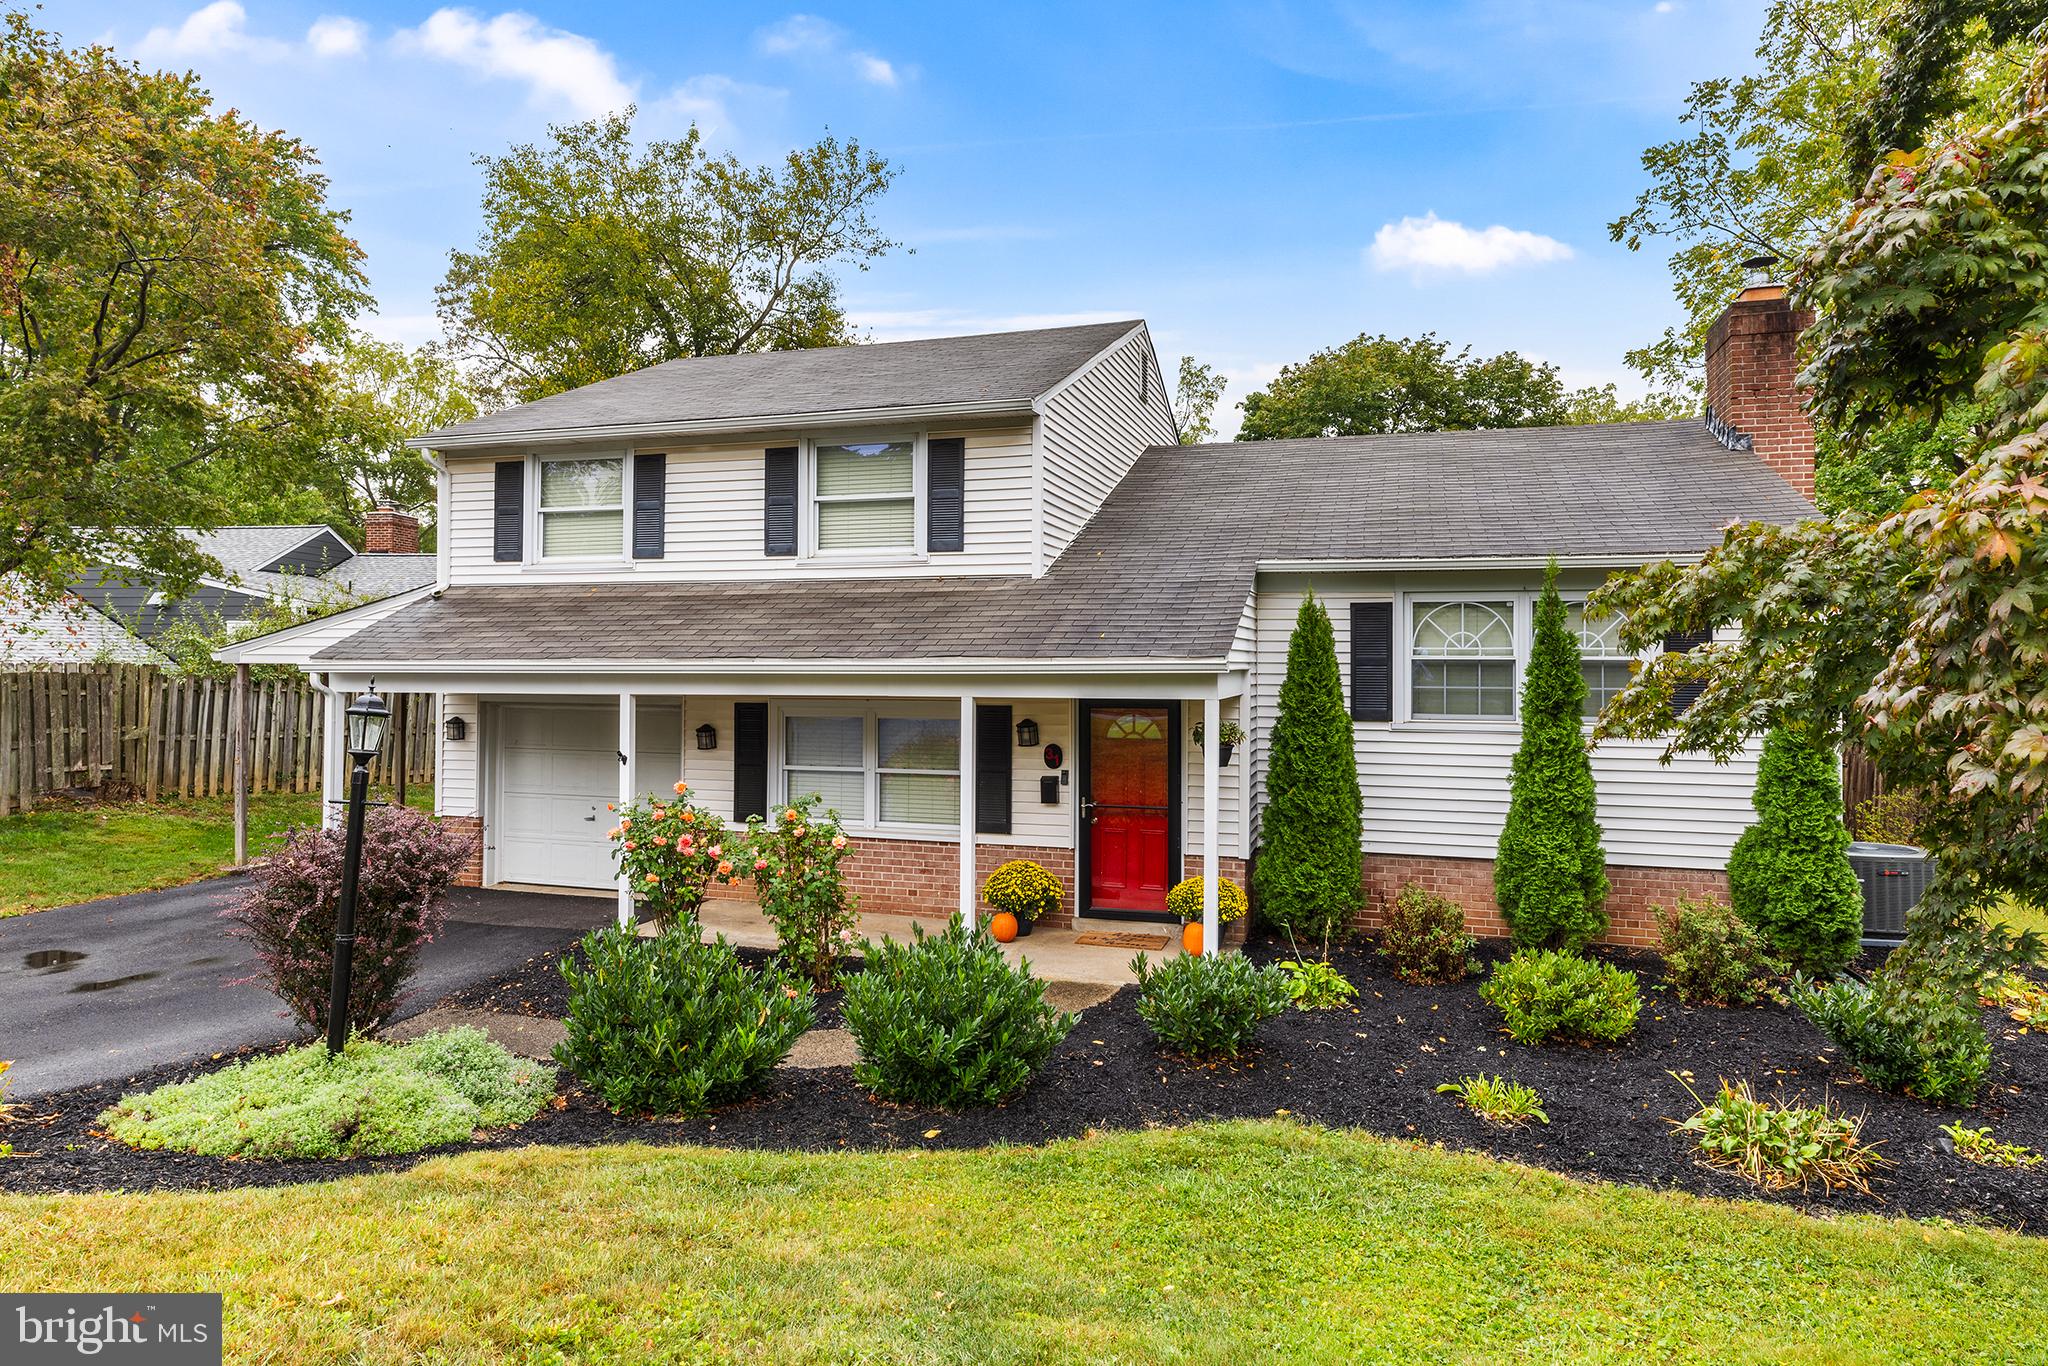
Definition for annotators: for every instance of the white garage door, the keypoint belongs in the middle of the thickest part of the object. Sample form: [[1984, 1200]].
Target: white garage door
[[558, 768]]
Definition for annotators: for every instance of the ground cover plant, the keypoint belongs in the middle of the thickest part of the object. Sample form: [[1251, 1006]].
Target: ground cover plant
[[1497, 1100], [947, 1021], [1711, 955], [1780, 1146], [288, 912], [371, 1099], [1978, 1145], [672, 853], [1315, 984], [1545, 995], [795, 866], [1423, 936], [672, 1025], [1206, 1006]]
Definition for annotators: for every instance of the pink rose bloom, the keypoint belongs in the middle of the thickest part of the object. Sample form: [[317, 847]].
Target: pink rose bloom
[[760, 865], [661, 841], [798, 832], [685, 841], [839, 841], [613, 833], [630, 844], [661, 813], [716, 851], [724, 866]]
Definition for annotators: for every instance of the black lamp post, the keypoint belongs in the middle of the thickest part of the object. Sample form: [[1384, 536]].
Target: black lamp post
[[367, 717]]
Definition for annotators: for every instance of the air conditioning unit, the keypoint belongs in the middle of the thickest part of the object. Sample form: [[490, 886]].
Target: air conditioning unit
[[1894, 877]]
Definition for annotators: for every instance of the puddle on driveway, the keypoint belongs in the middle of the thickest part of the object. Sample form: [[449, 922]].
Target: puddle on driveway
[[52, 960], [113, 983]]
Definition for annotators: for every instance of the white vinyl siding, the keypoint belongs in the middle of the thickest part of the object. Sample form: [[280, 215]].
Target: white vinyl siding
[[713, 505], [1092, 432], [1439, 787], [455, 765]]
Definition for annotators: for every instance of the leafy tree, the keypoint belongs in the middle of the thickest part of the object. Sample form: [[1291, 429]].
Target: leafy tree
[[598, 257], [1550, 873], [1307, 874], [1195, 396], [1938, 54], [1789, 876], [169, 277], [1372, 385], [1604, 403]]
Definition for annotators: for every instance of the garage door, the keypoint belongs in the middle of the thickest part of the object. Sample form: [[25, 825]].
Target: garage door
[[558, 768]]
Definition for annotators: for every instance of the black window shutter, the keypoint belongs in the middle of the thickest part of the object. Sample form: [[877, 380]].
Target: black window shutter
[[945, 495], [749, 759], [508, 512], [650, 510], [992, 752], [1372, 661], [778, 509], [1684, 643]]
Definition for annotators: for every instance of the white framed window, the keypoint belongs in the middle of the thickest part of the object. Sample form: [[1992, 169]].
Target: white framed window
[[888, 767], [1461, 658], [1602, 659], [581, 507], [866, 497]]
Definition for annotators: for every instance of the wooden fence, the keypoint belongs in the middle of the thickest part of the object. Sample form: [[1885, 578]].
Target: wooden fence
[[132, 729]]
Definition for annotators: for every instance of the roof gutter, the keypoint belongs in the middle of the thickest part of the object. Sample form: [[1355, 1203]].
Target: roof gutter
[[628, 431], [803, 668], [1482, 562]]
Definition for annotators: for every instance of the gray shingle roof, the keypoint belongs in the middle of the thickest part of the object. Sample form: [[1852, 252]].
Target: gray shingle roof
[[1163, 570], [998, 370]]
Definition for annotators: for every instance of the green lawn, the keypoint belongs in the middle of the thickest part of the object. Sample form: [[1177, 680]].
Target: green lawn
[[1224, 1243], [59, 854]]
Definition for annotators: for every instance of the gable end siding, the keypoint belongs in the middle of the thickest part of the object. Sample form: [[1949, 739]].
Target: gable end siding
[[1092, 432]]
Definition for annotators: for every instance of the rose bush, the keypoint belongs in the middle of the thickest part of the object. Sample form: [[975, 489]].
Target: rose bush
[[672, 853], [795, 867]]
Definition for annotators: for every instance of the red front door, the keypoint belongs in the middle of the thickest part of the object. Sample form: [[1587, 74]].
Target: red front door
[[1127, 812]]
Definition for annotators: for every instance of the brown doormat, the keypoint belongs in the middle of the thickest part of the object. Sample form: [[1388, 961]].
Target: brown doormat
[[1118, 939]]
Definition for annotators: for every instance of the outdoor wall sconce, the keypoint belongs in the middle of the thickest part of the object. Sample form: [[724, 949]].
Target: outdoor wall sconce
[[455, 728], [1027, 734], [707, 736]]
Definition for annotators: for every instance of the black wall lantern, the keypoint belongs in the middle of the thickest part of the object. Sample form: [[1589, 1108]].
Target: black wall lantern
[[455, 728], [707, 736], [1027, 734]]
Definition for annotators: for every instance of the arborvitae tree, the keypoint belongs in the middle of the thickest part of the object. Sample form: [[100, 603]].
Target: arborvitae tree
[[1307, 874], [1550, 873], [1789, 874]]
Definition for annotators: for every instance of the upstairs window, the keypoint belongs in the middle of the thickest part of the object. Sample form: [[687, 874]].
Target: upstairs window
[[583, 508], [864, 497], [1462, 660], [1602, 659]]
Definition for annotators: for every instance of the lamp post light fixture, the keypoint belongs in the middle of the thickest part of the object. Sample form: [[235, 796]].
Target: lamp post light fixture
[[368, 717]]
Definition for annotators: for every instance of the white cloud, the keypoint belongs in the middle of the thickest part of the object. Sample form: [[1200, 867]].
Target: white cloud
[[708, 101], [221, 29], [1665, 7], [809, 38], [1432, 245], [556, 66], [335, 35]]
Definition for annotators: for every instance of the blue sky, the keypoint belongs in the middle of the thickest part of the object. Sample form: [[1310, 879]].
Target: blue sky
[[1258, 180]]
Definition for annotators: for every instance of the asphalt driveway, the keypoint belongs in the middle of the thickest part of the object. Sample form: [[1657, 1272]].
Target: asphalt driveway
[[100, 991]]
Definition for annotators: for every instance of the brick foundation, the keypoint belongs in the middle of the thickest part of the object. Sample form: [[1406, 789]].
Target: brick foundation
[[472, 874], [1631, 892]]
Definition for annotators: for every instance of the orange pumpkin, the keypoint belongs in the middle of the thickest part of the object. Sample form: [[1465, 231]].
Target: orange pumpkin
[[1003, 926], [1191, 937]]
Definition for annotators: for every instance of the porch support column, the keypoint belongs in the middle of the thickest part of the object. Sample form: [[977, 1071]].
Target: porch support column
[[238, 717], [333, 735], [968, 899], [1212, 740], [626, 789]]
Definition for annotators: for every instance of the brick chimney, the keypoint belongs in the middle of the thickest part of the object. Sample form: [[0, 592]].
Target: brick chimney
[[1752, 373], [387, 531]]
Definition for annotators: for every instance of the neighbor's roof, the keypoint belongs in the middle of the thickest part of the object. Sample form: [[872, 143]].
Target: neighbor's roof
[[247, 549], [1163, 570], [997, 371]]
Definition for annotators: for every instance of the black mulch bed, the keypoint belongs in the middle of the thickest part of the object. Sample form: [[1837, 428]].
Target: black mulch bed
[[1375, 1067]]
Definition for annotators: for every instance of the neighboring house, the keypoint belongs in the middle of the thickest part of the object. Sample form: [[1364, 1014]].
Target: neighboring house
[[972, 592], [67, 631]]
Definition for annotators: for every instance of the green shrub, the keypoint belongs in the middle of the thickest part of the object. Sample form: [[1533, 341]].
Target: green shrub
[[1711, 955], [1543, 995], [1497, 1100], [1789, 874], [947, 1021], [1423, 937], [1315, 985], [1208, 1005], [674, 1026], [672, 853], [1185, 900], [795, 866], [1549, 872], [372, 1099], [1781, 1146], [1023, 889], [1890, 818], [1307, 872]]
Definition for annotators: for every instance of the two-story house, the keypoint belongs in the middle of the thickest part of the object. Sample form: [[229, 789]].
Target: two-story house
[[972, 592]]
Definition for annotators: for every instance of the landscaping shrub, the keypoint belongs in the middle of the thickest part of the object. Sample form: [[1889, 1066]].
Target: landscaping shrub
[[672, 1025], [1711, 955], [672, 853], [1208, 1005], [795, 866], [1789, 874], [1549, 872], [946, 1021], [1544, 995], [1022, 888], [1779, 1147], [1890, 818], [1315, 985], [1307, 872], [288, 912], [1423, 937], [371, 1099], [1185, 900], [1497, 1100]]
